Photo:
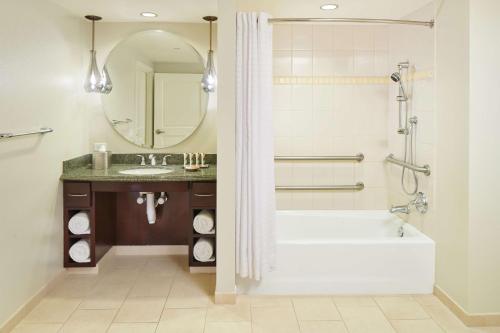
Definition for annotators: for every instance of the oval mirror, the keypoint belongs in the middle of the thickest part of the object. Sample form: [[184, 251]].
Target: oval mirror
[[157, 100]]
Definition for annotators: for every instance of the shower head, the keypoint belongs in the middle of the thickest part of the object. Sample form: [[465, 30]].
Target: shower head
[[396, 77]]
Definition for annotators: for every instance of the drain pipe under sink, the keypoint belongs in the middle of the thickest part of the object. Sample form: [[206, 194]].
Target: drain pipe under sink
[[150, 208]]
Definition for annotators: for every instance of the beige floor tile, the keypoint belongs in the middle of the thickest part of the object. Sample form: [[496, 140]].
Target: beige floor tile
[[354, 301], [401, 307], [191, 291], [241, 327], [486, 329], [106, 295], [286, 326], [274, 319], [427, 300], [365, 319], [182, 321], [273, 301], [141, 310], [151, 286], [52, 310], [416, 326], [273, 314], [75, 286], [91, 321], [132, 328], [164, 265], [230, 313], [322, 327], [37, 328], [315, 308]]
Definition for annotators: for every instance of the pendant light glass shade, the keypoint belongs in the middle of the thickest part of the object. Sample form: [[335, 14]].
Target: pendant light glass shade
[[106, 83], [93, 81], [209, 80]]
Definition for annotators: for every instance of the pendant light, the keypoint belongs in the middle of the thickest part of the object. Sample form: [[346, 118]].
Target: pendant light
[[106, 83], [93, 81], [209, 80]]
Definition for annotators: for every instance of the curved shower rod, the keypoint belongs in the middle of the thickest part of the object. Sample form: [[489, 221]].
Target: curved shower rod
[[429, 24]]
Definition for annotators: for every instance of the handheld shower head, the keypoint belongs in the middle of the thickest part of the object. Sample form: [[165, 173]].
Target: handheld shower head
[[396, 77]]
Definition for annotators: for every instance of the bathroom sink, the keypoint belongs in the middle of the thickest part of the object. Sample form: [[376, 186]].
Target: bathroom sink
[[146, 172]]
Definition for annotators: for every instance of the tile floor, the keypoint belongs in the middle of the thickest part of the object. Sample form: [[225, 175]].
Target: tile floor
[[146, 294]]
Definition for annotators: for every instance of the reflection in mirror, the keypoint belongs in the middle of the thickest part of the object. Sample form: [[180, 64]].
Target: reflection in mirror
[[157, 100]]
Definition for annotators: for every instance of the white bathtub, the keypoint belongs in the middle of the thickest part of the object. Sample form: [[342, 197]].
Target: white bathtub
[[347, 252]]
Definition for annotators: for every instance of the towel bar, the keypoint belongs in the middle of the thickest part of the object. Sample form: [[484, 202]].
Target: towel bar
[[358, 187], [42, 130]]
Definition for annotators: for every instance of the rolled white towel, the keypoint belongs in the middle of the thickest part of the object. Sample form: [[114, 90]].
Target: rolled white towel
[[79, 224], [80, 251], [204, 222], [203, 250]]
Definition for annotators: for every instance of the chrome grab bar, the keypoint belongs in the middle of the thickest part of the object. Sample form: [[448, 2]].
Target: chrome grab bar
[[42, 130], [357, 158], [426, 169], [358, 187]]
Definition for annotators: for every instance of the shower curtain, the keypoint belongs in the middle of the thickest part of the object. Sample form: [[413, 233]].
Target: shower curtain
[[255, 198]]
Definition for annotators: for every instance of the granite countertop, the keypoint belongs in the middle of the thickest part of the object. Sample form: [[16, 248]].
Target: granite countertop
[[80, 169]]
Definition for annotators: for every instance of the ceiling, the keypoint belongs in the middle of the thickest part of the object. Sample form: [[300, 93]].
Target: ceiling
[[388, 9], [129, 10], [194, 10]]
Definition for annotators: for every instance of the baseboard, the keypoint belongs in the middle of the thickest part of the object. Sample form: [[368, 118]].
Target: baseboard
[[150, 250], [225, 297], [469, 319], [202, 270], [26, 308]]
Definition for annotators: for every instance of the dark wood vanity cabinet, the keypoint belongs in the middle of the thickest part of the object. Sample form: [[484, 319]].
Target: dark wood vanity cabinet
[[117, 219]]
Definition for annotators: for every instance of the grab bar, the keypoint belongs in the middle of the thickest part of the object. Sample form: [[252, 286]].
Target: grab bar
[[42, 130], [358, 187], [426, 169], [358, 158], [118, 122]]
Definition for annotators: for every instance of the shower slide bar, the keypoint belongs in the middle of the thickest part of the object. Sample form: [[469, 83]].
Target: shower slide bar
[[42, 130], [358, 187], [426, 169], [357, 158], [429, 24]]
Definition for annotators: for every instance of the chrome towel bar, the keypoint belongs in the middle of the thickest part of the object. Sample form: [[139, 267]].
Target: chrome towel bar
[[426, 169], [42, 130], [358, 187], [357, 158]]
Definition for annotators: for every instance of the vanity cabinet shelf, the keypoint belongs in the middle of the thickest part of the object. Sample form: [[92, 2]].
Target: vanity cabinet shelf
[[117, 219]]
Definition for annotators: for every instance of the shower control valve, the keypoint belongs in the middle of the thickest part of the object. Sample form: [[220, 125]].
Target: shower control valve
[[421, 203]]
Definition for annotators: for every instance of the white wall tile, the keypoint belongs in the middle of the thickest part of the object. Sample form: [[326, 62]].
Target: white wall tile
[[323, 98], [302, 63], [364, 63], [323, 64], [302, 37], [301, 97], [282, 63], [343, 37], [282, 97], [322, 37], [363, 38], [343, 62], [282, 37]]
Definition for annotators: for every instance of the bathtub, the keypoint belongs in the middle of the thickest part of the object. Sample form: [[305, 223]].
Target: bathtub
[[347, 252]]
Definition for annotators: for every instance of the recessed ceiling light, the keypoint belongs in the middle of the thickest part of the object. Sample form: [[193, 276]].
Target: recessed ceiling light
[[149, 14], [329, 6]]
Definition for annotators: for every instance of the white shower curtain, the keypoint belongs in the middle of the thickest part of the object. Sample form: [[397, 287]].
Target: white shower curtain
[[255, 198]]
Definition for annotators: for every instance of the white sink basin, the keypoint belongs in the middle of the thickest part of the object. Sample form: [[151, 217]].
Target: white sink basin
[[144, 171]]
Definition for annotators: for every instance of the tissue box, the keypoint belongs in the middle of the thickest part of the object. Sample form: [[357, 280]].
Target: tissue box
[[101, 160]]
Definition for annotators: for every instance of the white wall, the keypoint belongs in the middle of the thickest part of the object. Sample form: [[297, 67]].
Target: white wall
[[330, 98], [484, 156], [204, 139], [41, 84], [451, 172]]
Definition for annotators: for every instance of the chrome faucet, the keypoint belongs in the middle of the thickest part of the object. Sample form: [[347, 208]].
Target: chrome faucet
[[420, 203], [143, 160], [164, 163], [153, 159], [404, 209]]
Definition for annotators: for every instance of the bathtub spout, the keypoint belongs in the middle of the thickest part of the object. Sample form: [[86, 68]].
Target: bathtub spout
[[400, 209]]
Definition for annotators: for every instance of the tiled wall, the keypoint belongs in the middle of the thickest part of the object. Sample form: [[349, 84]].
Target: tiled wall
[[331, 98], [416, 45]]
